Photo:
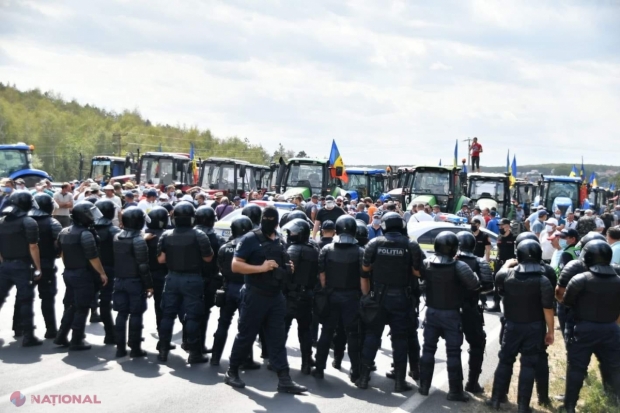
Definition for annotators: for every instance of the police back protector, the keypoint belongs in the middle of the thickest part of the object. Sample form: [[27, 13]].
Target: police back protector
[[392, 265], [342, 269], [182, 251], [73, 255], [13, 243], [522, 297]]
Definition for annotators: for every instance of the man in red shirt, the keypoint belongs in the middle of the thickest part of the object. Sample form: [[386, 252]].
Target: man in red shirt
[[476, 150]]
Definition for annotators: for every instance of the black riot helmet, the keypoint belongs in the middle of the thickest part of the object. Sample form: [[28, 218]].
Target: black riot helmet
[[446, 244], [85, 214], [240, 226], [596, 253], [361, 234], [392, 222], [184, 215], [159, 218], [298, 231], [205, 215], [45, 202], [297, 215], [253, 212], [467, 241], [526, 236], [21, 202], [133, 218], [107, 208], [591, 236], [283, 220], [346, 228], [529, 251]]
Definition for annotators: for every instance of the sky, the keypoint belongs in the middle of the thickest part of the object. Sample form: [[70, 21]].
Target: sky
[[393, 82]]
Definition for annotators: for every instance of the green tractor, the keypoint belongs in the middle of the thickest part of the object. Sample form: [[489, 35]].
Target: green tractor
[[437, 185], [307, 176]]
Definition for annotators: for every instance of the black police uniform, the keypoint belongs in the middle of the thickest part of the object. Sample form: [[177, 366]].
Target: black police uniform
[[49, 228], [396, 290], [300, 285], [133, 278], [473, 318], [446, 281], [210, 270], [185, 249], [17, 232], [526, 292], [506, 250], [341, 261], [262, 303], [594, 299], [106, 231], [158, 222], [79, 246]]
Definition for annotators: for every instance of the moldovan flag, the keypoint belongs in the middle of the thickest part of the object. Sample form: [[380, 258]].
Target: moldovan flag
[[574, 172], [335, 160]]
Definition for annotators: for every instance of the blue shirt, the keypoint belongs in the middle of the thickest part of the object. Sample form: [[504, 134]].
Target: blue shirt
[[363, 216], [538, 227], [374, 233], [493, 225], [615, 258]]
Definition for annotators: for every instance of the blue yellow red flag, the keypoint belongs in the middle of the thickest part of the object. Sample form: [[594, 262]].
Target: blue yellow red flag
[[335, 160]]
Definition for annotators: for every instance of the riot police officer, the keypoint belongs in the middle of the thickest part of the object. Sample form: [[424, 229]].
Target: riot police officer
[[49, 228], [528, 310], [473, 315], [340, 269], [396, 263], [19, 250], [261, 257], [205, 219], [328, 230], [106, 231], [133, 282], [361, 234], [445, 281], [80, 257], [594, 298], [232, 288], [253, 212], [299, 286], [183, 250], [506, 250]]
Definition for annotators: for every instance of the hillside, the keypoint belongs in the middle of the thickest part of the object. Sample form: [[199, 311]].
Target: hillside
[[60, 130]]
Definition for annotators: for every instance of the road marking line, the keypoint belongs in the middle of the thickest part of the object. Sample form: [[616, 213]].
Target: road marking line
[[417, 399]]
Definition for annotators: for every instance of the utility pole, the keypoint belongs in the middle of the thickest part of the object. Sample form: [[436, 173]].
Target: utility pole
[[116, 137], [468, 140]]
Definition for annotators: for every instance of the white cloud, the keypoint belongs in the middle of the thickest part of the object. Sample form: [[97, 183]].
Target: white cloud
[[392, 84]]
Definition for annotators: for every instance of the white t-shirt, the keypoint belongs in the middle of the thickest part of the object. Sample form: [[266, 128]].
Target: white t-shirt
[[421, 216], [545, 244], [480, 219]]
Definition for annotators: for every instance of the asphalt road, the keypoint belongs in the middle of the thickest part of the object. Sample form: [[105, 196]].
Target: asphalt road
[[137, 385]]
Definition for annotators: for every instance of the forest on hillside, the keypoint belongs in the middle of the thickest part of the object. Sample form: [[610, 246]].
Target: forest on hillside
[[61, 130]]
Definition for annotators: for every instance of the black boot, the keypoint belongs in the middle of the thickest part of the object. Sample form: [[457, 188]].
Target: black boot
[[391, 374], [110, 337], [400, 383], [30, 340], [426, 376], [18, 333], [318, 373], [77, 341], [475, 368], [164, 349], [569, 408], [414, 371], [61, 337], [305, 364], [456, 393], [172, 346], [51, 333], [496, 304], [523, 405], [364, 378], [232, 378], [196, 356], [287, 385], [136, 350], [249, 363], [94, 315], [337, 362]]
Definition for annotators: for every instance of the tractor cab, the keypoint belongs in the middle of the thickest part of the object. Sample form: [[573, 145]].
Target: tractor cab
[[363, 182], [229, 176], [489, 190], [558, 192], [306, 176], [163, 169], [104, 167], [16, 163], [597, 199], [401, 183], [437, 185]]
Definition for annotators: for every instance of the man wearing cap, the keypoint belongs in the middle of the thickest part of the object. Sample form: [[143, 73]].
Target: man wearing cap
[[328, 230], [108, 190], [493, 224], [20, 184], [568, 239], [538, 226], [464, 212], [374, 229], [94, 190], [129, 200], [330, 212], [163, 198], [218, 197], [149, 202], [64, 199], [551, 225]]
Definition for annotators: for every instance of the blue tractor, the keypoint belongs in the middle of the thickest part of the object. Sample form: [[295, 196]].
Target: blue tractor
[[558, 192], [16, 163], [363, 182]]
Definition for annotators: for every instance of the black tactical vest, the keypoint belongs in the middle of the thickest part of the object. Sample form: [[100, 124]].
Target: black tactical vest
[[227, 251], [598, 301], [154, 265], [342, 269], [306, 273], [183, 252], [273, 251], [211, 269], [47, 251], [522, 297], [392, 264], [13, 243], [443, 289], [471, 297], [125, 265], [72, 252], [106, 248]]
